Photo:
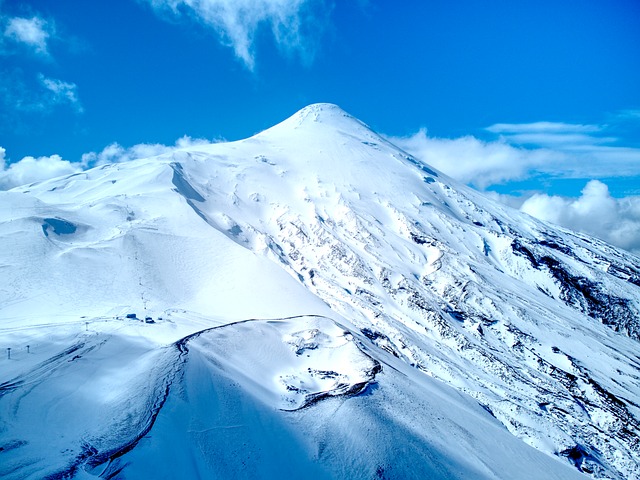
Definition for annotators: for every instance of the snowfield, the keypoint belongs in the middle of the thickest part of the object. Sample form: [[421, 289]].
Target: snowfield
[[311, 302]]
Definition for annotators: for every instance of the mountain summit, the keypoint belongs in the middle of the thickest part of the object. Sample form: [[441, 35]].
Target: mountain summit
[[309, 302], [322, 113]]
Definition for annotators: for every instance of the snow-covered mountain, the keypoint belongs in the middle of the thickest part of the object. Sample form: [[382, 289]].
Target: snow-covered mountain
[[311, 302]]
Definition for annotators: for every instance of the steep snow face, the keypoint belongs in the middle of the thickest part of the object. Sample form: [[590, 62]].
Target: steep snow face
[[321, 216]]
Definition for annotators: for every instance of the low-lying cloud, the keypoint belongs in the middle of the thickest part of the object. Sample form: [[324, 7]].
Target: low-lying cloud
[[31, 169], [595, 212], [116, 153], [523, 151], [546, 149], [475, 161]]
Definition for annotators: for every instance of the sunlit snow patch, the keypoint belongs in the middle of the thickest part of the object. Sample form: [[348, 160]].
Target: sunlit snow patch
[[289, 363]]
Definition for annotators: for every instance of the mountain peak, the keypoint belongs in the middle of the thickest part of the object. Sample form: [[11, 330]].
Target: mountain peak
[[291, 271], [322, 110], [326, 117]]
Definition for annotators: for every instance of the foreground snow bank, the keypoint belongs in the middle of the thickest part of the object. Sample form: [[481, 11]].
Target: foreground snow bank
[[297, 397], [224, 418]]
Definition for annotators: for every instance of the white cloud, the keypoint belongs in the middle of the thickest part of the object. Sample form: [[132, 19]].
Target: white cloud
[[580, 151], [474, 161], [22, 92], [237, 21], [33, 32], [522, 151], [116, 153], [30, 169], [556, 150], [595, 212], [186, 141], [60, 92]]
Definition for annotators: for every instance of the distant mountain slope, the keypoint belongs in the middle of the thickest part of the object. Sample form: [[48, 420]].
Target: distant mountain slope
[[530, 326]]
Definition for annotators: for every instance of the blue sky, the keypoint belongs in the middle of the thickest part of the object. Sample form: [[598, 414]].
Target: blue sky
[[523, 99]]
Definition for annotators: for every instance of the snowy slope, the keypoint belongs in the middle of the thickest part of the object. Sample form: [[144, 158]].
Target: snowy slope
[[444, 332]]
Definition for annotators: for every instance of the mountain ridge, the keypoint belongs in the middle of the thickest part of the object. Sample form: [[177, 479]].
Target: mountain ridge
[[321, 216]]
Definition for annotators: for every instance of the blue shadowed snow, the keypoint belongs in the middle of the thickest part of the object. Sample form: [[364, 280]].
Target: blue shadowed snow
[[183, 186], [59, 226]]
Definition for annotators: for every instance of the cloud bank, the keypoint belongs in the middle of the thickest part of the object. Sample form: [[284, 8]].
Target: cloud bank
[[595, 212], [474, 161], [522, 151], [116, 153], [237, 21], [31, 169], [557, 150]]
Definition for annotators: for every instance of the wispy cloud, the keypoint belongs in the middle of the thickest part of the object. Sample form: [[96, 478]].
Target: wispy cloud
[[19, 95], [566, 136], [556, 140], [61, 92], [581, 151], [628, 115], [32, 32], [542, 127], [293, 25], [24, 93]]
